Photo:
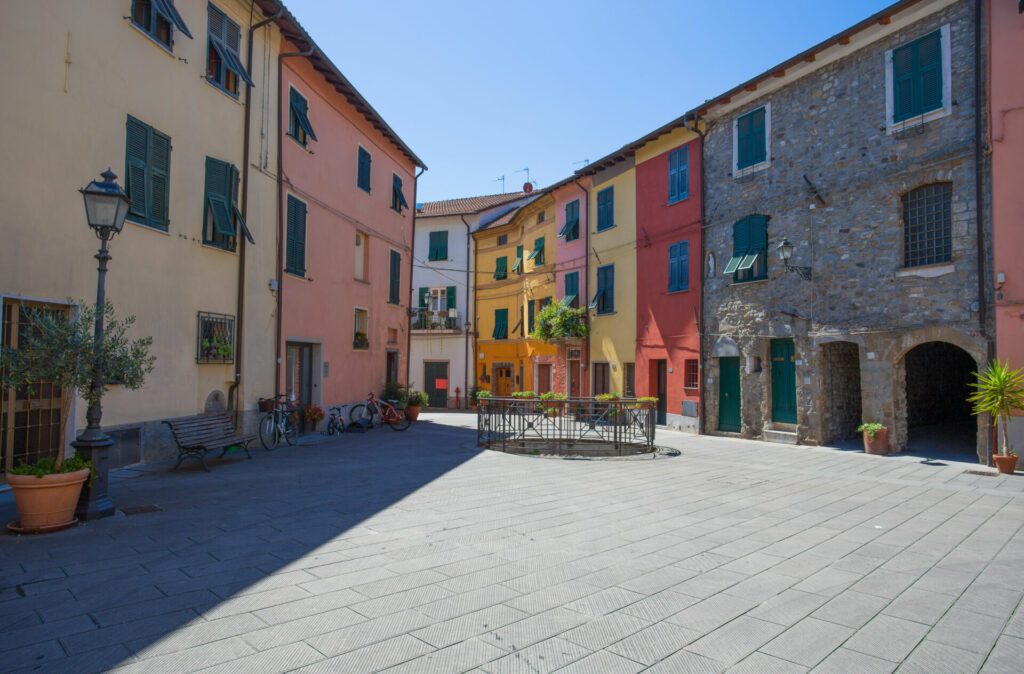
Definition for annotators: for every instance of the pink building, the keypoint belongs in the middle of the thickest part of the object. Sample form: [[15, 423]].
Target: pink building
[[346, 215], [1006, 126], [571, 375]]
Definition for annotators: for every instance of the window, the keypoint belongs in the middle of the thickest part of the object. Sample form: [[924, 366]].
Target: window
[[361, 329], [437, 299], [679, 266], [148, 167], [398, 201], [158, 18], [221, 217], [749, 261], [295, 246], [501, 268], [572, 289], [500, 324], [602, 378], [517, 266], [395, 278], [215, 338], [917, 77], [502, 239], [299, 127], [605, 208], [571, 229], [751, 138], [541, 217], [678, 174], [629, 380], [927, 225], [361, 252], [604, 298], [531, 308], [691, 373], [438, 249], [365, 162], [537, 254], [223, 66]]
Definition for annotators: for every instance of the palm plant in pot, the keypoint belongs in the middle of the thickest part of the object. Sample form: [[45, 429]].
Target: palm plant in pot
[[61, 351], [999, 391]]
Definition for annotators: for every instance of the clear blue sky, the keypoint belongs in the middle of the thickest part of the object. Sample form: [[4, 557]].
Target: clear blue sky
[[483, 89]]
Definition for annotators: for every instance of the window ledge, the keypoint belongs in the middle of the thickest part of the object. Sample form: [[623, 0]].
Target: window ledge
[[234, 97], [605, 229], [906, 124], [605, 313], [748, 283], [169, 51], [222, 249], [295, 140], [363, 189], [296, 275], [928, 271], [151, 228], [677, 292], [360, 280], [673, 202], [747, 170]]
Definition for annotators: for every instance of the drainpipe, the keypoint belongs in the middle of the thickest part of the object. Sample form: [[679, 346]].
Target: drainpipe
[[465, 365], [701, 393], [281, 235], [981, 103], [475, 314], [586, 298], [240, 307], [412, 263]]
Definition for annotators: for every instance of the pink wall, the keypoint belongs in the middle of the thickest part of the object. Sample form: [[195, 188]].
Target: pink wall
[[1007, 142], [319, 308], [571, 257]]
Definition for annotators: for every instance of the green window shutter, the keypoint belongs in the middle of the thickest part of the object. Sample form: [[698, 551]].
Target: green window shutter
[[398, 201], [500, 324], [605, 208], [679, 174], [219, 192], [903, 74], [538, 249], [930, 71], [740, 236], [365, 165], [531, 308], [136, 161], [438, 246], [501, 268], [750, 139], [295, 249], [450, 296], [572, 288], [159, 178], [609, 289], [395, 278], [424, 298], [518, 266]]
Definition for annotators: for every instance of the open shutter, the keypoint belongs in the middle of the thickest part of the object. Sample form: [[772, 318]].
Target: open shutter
[[683, 174], [740, 236], [531, 308], [170, 12], [683, 265], [609, 289], [903, 97], [233, 180], [295, 250], [424, 298], [395, 278], [930, 71], [398, 201], [218, 190], [757, 137], [137, 153], [450, 296], [673, 175], [159, 177]]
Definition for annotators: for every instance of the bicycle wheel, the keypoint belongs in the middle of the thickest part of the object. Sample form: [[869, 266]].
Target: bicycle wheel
[[401, 423], [360, 414], [268, 431], [291, 428]]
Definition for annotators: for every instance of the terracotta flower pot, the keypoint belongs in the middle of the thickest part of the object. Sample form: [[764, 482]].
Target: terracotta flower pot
[[412, 412], [1005, 464], [880, 445], [47, 502]]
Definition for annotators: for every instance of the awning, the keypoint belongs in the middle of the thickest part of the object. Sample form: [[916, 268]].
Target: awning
[[231, 60], [300, 115], [733, 264], [537, 249], [221, 216], [167, 8]]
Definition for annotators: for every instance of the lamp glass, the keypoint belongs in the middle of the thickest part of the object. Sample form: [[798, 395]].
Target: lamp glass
[[101, 209], [785, 249]]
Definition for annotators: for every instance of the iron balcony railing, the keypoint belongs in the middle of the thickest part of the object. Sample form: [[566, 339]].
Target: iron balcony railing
[[443, 320], [625, 426]]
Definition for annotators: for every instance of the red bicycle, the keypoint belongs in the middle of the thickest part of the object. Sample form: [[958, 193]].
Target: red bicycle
[[384, 410]]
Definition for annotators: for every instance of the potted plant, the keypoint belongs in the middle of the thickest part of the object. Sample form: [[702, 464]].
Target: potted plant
[[415, 401], [606, 404], [360, 341], [999, 391], [63, 351], [473, 394], [876, 438], [552, 403], [482, 397], [313, 415], [396, 394]]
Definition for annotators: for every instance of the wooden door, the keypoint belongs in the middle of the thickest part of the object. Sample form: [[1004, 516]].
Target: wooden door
[[574, 379], [729, 395], [662, 391], [502, 380], [543, 378], [435, 383], [602, 378], [783, 381]]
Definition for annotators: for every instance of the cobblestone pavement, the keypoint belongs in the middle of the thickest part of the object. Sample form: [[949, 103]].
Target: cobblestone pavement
[[415, 552]]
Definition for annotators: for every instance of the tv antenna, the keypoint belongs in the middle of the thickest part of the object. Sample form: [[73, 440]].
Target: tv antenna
[[585, 162], [502, 179], [525, 170]]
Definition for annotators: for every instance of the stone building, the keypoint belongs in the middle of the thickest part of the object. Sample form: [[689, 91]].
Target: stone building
[[861, 152]]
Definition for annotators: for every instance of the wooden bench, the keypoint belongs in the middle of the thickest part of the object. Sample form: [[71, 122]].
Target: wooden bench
[[204, 433]]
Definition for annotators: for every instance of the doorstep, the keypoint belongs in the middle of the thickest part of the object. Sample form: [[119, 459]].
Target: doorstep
[[784, 434]]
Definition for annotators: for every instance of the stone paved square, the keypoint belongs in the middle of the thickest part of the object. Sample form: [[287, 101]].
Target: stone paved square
[[417, 552]]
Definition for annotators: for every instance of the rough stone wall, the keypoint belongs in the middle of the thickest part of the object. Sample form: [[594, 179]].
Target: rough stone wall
[[830, 127], [840, 364]]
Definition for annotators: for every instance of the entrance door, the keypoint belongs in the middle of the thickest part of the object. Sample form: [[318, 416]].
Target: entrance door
[[435, 383], [502, 381], [783, 381], [662, 391], [729, 394], [391, 367], [299, 375], [574, 379], [543, 378], [602, 378]]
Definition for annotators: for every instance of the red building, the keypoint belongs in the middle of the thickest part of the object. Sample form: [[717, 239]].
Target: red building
[[668, 250]]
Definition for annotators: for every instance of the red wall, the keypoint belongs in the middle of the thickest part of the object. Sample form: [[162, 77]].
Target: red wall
[[666, 323]]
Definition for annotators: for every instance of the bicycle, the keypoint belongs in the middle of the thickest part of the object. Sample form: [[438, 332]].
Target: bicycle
[[280, 421], [335, 421], [365, 413]]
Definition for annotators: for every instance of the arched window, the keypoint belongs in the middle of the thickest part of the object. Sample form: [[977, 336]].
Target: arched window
[[928, 225]]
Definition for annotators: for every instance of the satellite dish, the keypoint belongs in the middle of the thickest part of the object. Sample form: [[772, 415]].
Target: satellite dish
[[527, 187]]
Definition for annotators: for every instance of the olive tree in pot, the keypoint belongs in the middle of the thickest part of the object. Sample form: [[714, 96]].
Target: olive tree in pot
[[999, 391], [62, 351]]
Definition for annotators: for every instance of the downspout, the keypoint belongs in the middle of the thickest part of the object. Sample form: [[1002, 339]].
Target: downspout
[[465, 365], [585, 298], [981, 105], [281, 235], [240, 307], [476, 250], [412, 263], [701, 393]]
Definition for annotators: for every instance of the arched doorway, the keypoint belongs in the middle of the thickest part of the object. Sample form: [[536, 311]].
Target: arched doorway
[[842, 412], [939, 420]]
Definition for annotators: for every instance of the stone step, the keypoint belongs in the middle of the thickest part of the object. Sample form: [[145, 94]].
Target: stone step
[[778, 435]]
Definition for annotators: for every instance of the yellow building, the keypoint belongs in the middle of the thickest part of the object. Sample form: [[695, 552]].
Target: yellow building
[[163, 101], [515, 277], [612, 276]]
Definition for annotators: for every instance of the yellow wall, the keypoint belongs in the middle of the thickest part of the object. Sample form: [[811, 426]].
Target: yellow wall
[[613, 336], [63, 124], [665, 143]]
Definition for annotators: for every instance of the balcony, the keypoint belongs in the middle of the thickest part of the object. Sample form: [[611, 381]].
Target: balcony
[[445, 321]]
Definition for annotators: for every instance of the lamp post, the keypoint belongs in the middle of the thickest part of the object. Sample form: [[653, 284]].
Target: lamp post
[[785, 250], [106, 207]]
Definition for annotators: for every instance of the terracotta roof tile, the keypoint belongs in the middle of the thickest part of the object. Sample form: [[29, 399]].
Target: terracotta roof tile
[[465, 205]]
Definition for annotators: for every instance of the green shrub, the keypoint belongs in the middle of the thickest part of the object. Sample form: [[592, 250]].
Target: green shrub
[[48, 466], [871, 428], [417, 398], [524, 394], [558, 321]]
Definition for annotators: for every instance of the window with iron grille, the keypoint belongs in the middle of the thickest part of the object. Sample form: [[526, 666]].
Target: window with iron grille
[[215, 338], [691, 374], [928, 225]]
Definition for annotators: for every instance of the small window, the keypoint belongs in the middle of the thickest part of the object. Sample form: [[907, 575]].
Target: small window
[[541, 216], [604, 298], [751, 138], [501, 268], [606, 209], [531, 310], [395, 278], [502, 239], [572, 289], [361, 255], [148, 172], [223, 65], [158, 19], [749, 261], [691, 374], [361, 332], [438, 248], [365, 164], [537, 254], [629, 380], [295, 246], [917, 77], [221, 218], [928, 225], [398, 201], [299, 127], [678, 174], [215, 338], [571, 229], [679, 266], [500, 324]]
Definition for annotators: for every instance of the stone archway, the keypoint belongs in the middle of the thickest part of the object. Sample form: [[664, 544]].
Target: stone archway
[[842, 404], [936, 414]]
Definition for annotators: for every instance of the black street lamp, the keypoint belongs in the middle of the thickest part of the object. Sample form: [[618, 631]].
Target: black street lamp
[[785, 250], [106, 207]]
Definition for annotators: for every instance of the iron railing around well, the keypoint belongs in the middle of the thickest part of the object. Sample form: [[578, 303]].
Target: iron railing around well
[[584, 425]]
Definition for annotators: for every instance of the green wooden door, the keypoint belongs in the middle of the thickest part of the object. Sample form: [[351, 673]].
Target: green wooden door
[[783, 381], [729, 394], [435, 383]]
